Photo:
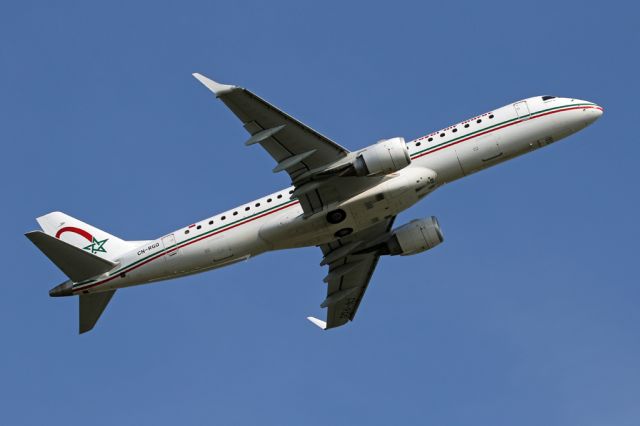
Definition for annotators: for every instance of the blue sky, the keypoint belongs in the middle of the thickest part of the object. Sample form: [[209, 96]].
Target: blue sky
[[527, 314]]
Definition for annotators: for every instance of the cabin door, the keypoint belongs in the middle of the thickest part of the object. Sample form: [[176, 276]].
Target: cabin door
[[522, 109], [169, 243], [172, 254]]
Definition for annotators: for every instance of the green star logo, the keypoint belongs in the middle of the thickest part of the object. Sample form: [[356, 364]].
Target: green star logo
[[96, 246]]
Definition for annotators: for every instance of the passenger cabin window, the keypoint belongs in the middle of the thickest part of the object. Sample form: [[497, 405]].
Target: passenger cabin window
[[546, 98]]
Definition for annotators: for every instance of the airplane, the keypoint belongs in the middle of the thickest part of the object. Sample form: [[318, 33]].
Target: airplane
[[344, 202]]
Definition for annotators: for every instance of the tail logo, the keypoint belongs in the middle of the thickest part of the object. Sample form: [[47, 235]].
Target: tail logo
[[96, 246]]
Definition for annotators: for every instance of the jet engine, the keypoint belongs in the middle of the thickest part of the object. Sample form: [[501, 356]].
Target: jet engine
[[386, 156], [415, 237]]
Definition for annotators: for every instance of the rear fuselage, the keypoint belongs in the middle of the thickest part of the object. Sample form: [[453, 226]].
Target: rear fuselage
[[276, 221]]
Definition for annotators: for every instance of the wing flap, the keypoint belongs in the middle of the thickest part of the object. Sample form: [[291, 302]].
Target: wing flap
[[349, 291], [338, 296]]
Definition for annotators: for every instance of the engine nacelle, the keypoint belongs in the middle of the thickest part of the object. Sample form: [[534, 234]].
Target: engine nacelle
[[386, 156], [415, 237]]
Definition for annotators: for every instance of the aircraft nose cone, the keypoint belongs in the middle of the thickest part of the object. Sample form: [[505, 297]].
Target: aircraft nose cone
[[594, 113]]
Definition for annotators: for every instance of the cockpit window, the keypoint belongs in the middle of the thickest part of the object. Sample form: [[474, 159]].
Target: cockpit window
[[546, 98]]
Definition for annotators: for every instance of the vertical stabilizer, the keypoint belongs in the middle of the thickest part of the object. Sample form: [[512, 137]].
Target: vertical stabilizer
[[85, 236]]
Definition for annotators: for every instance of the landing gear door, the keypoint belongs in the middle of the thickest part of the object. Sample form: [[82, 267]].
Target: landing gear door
[[219, 249], [479, 152], [522, 109]]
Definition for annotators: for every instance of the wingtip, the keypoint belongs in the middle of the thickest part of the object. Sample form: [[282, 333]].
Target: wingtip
[[217, 88], [317, 322]]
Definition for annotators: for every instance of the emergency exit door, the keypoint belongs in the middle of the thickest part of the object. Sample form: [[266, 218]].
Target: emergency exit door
[[169, 243], [522, 109], [171, 254]]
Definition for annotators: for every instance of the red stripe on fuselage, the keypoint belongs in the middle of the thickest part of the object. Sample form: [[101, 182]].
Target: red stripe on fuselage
[[187, 244], [297, 202], [503, 127]]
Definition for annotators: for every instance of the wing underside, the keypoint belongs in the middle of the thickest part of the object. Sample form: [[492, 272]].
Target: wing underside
[[297, 149], [313, 162], [350, 274]]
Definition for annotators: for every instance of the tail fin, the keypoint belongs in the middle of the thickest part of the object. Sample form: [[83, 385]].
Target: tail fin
[[75, 262], [85, 236], [91, 307]]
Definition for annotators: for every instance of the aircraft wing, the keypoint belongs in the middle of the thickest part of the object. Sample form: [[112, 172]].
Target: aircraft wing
[[349, 273], [297, 149]]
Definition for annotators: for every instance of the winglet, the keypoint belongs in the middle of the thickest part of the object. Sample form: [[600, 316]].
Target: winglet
[[217, 88], [317, 322]]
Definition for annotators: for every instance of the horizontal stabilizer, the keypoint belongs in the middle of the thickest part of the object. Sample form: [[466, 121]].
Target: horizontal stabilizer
[[319, 323], [91, 307], [75, 262]]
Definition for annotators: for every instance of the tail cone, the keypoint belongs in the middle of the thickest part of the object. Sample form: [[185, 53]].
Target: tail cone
[[64, 289]]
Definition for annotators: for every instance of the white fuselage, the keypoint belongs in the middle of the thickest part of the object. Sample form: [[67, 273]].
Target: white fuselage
[[276, 221]]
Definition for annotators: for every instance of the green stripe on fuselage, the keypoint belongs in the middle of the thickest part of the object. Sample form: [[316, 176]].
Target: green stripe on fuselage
[[431, 148], [186, 241]]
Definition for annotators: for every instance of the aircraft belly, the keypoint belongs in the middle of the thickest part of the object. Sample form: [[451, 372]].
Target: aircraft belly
[[209, 253], [222, 249], [290, 229]]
